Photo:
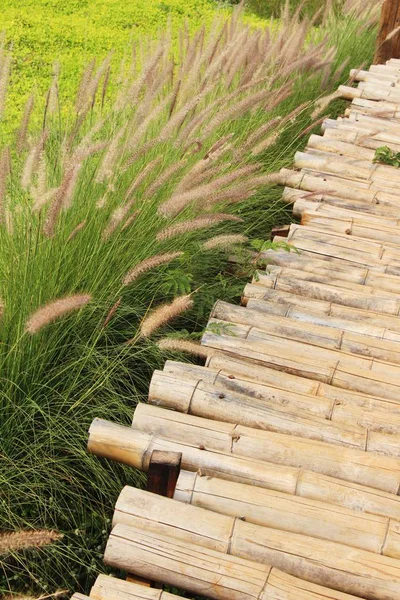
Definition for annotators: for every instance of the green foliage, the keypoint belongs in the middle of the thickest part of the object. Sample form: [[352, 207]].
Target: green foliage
[[273, 8], [221, 328], [387, 156]]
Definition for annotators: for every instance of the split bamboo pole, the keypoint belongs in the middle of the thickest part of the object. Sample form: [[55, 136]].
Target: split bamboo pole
[[111, 588], [385, 76], [362, 139], [337, 186], [133, 448], [351, 248], [308, 315], [357, 217], [324, 276], [346, 569], [343, 269], [358, 172], [278, 388], [204, 571], [208, 400], [292, 196], [334, 291], [340, 148], [285, 357], [369, 469], [309, 333], [285, 512], [344, 224]]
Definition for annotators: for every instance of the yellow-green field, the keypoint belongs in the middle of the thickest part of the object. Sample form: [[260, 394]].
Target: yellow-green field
[[72, 32]]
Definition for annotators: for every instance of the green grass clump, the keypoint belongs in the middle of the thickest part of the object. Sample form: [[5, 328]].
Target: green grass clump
[[175, 139]]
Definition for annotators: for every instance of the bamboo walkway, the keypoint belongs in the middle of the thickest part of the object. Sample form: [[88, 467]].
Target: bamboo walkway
[[288, 439]]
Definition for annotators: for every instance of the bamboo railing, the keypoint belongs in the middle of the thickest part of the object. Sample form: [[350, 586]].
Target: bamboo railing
[[274, 470]]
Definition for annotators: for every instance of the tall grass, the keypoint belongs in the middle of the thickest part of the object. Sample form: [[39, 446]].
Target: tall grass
[[115, 226]]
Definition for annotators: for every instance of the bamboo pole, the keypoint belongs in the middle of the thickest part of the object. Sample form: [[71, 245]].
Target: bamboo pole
[[111, 588], [348, 323], [285, 512], [337, 245], [292, 196], [126, 445], [386, 75], [208, 400], [363, 275], [358, 172], [233, 367], [201, 570], [310, 333], [324, 276], [333, 291], [390, 20], [281, 391], [380, 472], [267, 352], [337, 186], [346, 569], [340, 148]]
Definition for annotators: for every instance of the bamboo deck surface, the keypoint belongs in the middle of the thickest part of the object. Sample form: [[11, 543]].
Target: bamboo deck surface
[[290, 434]]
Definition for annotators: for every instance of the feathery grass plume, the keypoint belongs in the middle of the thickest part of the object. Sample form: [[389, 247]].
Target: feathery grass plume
[[259, 133], [107, 164], [178, 202], [111, 312], [194, 224], [130, 220], [52, 95], [5, 69], [148, 264], [4, 172], [24, 125], [163, 177], [78, 228], [83, 85], [164, 314], [140, 178], [139, 152], [42, 200], [140, 132], [54, 310], [180, 345], [308, 129], [175, 122], [32, 160], [117, 216], [237, 109], [104, 88], [224, 241], [19, 540], [267, 143], [323, 102]]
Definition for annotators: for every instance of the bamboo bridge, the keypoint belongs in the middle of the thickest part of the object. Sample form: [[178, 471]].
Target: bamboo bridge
[[274, 470]]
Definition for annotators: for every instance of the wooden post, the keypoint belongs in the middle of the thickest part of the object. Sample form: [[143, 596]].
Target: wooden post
[[280, 230], [390, 20], [163, 472], [162, 477]]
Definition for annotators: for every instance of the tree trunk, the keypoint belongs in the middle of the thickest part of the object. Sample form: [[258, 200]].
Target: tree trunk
[[390, 20]]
